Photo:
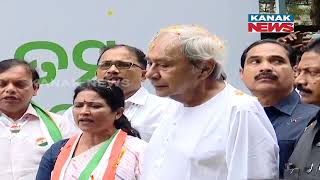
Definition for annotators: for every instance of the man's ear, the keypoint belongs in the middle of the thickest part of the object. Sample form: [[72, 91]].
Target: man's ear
[[241, 73], [35, 86], [207, 68], [143, 75]]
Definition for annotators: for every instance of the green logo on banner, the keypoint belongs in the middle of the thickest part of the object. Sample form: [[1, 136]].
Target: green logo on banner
[[78, 60], [51, 69], [48, 66]]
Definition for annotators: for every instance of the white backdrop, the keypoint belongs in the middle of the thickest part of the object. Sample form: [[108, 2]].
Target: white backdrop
[[61, 25]]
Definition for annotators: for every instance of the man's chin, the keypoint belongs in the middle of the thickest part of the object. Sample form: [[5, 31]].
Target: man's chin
[[11, 103], [267, 86], [116, 83], [307, 98], [162, 93], [9, 108]]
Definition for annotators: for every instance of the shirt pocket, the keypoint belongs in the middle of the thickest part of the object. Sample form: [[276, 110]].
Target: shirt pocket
[[39, 144]]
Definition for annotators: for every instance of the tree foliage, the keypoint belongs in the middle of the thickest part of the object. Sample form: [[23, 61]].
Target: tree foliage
[[306, 12], [315, 12]]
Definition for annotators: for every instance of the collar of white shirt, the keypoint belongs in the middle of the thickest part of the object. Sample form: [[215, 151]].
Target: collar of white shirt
[[140, 97], [30, 114]]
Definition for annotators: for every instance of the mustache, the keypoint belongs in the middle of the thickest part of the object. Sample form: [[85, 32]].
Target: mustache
[[302, 89], [266, 75]]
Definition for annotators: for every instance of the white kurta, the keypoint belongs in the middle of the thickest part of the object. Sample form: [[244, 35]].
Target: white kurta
[[144, 111], [21, 152], [229, 137]]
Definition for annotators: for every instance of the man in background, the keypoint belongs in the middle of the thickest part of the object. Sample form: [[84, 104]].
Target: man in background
[[308, 74], [26, 130], [266, 70], [304, 162]]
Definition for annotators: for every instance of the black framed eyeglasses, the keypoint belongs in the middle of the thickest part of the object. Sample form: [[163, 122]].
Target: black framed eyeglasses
[[119, 64]]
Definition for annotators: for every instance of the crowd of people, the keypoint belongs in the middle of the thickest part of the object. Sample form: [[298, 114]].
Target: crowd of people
[[197, 126]]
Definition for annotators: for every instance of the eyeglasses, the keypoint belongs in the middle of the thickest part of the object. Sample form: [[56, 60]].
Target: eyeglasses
[[119, 64]]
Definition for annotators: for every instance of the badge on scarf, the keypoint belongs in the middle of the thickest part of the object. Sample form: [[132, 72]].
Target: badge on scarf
[[41, 141]]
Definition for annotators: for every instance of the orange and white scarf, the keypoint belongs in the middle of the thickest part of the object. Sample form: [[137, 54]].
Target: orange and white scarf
[[105, 170]]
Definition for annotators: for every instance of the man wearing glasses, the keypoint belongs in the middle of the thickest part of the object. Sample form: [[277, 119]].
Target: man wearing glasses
[[125, 66]]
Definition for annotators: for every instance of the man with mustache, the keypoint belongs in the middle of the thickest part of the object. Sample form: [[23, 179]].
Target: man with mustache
[[308, 74], [304, 162], [26, 130], [125, 66], [266, 70]]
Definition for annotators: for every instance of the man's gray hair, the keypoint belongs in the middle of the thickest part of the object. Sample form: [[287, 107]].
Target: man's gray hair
[[198, 44]]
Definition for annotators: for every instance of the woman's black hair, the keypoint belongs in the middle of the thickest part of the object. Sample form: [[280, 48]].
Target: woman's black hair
[[114, 97]]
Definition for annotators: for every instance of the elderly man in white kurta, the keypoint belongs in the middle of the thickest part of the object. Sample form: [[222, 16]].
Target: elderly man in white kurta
[[26, 130], [218, 132]]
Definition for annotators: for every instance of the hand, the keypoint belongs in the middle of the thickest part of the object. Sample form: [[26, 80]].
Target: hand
[[290, 38], [296, 40]]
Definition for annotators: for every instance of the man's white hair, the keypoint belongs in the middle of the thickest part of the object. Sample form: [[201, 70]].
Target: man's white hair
[[198, 44]]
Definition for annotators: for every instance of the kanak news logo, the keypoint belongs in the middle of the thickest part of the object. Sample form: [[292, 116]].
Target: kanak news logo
[[268, 23]]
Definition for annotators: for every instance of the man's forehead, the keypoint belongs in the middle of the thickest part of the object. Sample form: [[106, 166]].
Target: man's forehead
[[166, 45], [267, 50], [16, 72], [311, 55], [5, 79], [164, 40], [117, 52], [310, 59]]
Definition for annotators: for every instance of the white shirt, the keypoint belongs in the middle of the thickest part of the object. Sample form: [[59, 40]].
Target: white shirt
[[21, 152], [143, 110], [229, 137]]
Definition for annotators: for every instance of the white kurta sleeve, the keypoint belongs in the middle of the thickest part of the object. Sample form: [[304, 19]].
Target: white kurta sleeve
[[68, 115], [252, 149], [66, 126], [70, 122]]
